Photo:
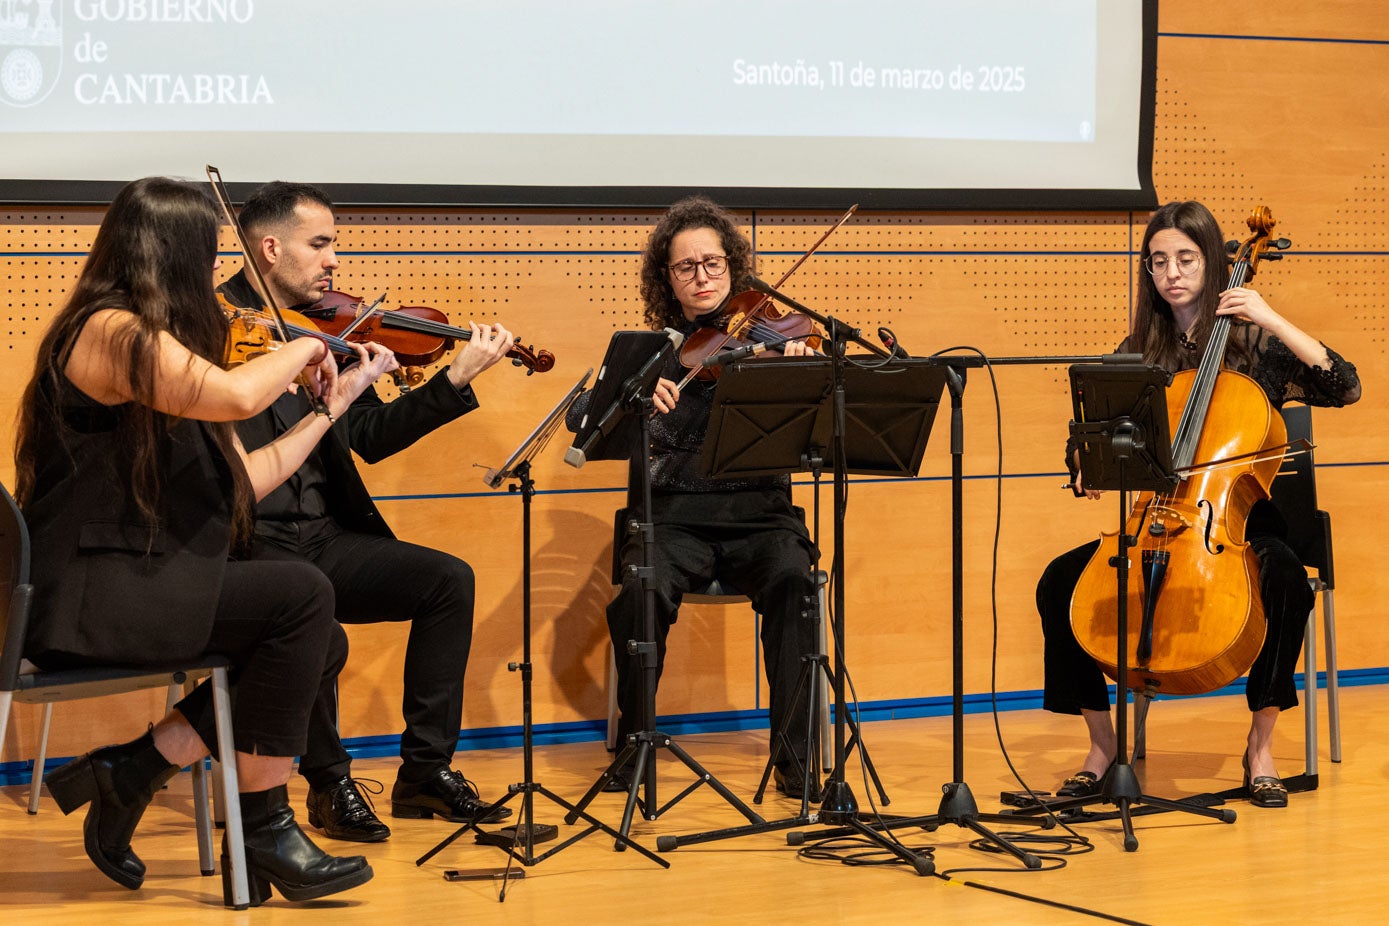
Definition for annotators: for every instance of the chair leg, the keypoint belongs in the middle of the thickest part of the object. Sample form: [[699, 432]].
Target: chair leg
[[202, 816], [826, 733], [610, 737], [41, 759], [235, 860], [219, 816], [6, 699], [1333, 687], [1309, 690]]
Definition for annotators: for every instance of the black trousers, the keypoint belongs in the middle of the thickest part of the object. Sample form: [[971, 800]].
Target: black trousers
[[749, 541], [379, 579], [1073, 681], [274, 621]]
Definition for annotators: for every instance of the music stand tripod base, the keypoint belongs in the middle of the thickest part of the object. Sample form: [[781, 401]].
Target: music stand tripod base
[[805, 404]]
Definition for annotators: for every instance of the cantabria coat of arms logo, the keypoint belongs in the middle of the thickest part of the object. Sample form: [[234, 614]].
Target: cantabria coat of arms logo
[[31, 50]]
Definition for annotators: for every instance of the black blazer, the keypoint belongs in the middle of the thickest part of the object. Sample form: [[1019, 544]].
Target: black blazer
[[371, 427], [110, 586]]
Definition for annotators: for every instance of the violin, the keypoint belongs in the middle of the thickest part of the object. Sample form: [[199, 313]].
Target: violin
[[755, 316], [251, 334], [1202, 620], [418, 335]]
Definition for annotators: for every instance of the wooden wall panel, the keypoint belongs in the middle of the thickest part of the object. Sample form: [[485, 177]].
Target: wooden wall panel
[[1242, 119]]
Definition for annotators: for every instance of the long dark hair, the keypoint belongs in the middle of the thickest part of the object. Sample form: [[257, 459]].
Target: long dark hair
[[1155, 332], [662, 308], [152, 257]]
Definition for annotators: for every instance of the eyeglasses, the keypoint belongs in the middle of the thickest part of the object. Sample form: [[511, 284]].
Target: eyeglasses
[[1187, 262], [686, 269]]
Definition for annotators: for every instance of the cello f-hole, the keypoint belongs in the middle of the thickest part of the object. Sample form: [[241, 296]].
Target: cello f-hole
[[1210, 526]]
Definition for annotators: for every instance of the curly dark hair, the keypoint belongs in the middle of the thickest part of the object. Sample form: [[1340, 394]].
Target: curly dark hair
[[1155, 333], [152, 257], [662, 308]]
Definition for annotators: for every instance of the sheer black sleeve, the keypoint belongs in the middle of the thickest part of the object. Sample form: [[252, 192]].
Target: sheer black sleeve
[[1285, 378]]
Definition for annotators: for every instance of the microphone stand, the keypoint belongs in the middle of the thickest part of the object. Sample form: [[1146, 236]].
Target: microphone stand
[[520, 847], [634, 401]]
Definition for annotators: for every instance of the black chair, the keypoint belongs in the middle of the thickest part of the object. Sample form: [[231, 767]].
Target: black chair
[[21, 681], [1309, 534], [1294, 491], [720, 593]]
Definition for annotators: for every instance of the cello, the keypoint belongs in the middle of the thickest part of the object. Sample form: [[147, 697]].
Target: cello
[[1202, 620]]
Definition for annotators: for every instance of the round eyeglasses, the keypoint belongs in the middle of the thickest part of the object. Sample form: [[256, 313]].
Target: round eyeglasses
[[1187, 263], [713, 266]]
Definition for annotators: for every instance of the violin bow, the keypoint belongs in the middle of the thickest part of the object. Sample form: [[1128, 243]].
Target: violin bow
[[363, 314], [257, 279]]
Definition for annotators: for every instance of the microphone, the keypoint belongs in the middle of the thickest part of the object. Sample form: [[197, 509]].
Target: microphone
[[729, 356], [762, 287], [891, 344]]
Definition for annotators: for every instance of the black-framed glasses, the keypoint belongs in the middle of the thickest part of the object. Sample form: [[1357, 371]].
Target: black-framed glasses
[[685, 271], [1188, 262]]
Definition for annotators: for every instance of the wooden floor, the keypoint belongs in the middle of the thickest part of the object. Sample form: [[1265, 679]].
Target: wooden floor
[[1320, 859]]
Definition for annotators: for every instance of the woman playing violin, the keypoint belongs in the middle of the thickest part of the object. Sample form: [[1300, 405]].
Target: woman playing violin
[[1182, 290], [136, 488], [324, 515], [745, 530]]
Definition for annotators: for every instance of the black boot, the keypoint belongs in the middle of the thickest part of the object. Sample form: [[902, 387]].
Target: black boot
[[278, 853], [119, 781]]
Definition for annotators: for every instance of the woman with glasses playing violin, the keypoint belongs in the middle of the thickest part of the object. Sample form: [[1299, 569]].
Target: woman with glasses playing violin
[[1182, 290], [741, 530], [136, 490]]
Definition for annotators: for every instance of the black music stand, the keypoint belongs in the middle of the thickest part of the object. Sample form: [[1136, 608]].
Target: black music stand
[[520, 843], [875, 420], [1120, 426], [617, 427], [770, 423]]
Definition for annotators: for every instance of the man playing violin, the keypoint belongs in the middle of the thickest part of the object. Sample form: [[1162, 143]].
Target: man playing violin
[[324, 514], [743, 530]]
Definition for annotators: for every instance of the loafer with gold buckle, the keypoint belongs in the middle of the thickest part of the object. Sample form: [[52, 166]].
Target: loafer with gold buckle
[[1265, 790], [1081, 784]]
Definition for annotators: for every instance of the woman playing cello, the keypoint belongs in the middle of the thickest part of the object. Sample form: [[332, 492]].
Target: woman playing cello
[[1181, 293]]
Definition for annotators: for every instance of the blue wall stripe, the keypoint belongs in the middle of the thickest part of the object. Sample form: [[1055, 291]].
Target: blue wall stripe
[[586, 731]]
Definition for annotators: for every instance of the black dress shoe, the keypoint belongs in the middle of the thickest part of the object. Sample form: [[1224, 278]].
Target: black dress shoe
[[342, 811], [119, 782], [1265, 790], [790, 783], [279, 853], [446, 794], [1081, 784]]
